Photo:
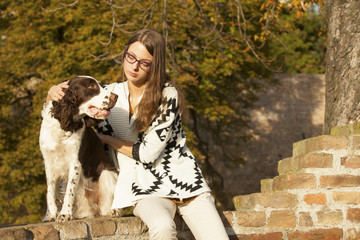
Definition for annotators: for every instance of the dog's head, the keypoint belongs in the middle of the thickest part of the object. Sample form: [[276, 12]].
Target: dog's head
[[84, 97]]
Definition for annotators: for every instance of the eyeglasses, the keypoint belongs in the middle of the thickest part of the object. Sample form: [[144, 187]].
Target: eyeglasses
[[144, 64]]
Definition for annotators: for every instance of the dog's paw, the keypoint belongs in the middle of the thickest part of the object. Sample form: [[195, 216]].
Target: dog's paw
[[63, 218], [48, 218], [117, 212]]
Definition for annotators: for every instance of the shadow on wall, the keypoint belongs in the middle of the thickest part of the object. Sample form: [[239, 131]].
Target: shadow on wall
[[285, 114]]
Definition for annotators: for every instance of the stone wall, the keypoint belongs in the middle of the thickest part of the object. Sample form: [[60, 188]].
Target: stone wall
[[315, 196]]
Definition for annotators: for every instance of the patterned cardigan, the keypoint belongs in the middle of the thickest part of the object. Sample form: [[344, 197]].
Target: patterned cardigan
[[162, 164]]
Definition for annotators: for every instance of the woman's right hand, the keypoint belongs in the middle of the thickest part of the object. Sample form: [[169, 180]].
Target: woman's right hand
[[56, 92]]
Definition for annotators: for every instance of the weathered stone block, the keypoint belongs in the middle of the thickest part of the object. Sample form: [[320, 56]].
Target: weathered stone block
[[273, 200], [329, 218], [282, 219], [351, 161], [335, 181], [308, 160], [101, 226], [266, 185], [13, 233], [347, 197], [251, 219], [317, 234], [294, 181], [311, 199], [324, 142], [72, 230], [305, 220], [130, 225], [44, 231]]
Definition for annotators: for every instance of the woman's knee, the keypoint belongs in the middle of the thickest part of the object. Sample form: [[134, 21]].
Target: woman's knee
[[162, 228]]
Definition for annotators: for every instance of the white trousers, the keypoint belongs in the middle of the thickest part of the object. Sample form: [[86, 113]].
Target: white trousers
[[200, 215]]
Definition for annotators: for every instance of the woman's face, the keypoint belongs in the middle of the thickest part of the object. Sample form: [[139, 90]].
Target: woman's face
[[136, 60]]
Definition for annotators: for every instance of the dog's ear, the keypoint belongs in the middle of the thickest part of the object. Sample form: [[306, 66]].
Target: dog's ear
[[64, 111], [91, 122]]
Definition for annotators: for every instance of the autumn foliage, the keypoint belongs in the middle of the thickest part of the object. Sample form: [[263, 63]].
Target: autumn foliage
[[222, 54]]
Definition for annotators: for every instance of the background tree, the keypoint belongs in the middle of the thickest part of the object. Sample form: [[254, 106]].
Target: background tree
[[342, 67], [219, 52]]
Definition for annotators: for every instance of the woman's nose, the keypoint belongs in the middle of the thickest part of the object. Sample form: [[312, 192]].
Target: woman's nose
[[136, 66]]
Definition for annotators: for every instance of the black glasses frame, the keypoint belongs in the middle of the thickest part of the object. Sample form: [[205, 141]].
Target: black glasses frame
[[141, 62]]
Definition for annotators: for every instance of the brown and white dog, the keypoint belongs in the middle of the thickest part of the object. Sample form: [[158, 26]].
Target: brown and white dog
[[79, 174]]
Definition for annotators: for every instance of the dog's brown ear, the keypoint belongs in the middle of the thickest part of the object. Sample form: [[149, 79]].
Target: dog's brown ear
[[64, 111], [91, 122]]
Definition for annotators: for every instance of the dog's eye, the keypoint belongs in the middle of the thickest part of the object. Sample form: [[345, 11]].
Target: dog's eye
[[93, 86]]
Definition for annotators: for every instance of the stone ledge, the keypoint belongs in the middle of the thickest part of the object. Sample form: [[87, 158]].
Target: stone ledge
[[90, 228]]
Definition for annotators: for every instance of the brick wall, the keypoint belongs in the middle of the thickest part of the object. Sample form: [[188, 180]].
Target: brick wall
[[315, 196]]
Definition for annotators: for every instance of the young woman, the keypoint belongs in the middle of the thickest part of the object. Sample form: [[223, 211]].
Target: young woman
[[158, 173]]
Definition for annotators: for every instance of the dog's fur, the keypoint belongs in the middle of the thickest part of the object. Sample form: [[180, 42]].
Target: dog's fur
[[79, 174]]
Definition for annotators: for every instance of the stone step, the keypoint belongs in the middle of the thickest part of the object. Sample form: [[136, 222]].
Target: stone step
[[305, 161], [294, 181], [254, 201], [321, 143], [266, 185]]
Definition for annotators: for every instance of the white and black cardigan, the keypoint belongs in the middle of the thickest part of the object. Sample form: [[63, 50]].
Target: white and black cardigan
[[163, 165]]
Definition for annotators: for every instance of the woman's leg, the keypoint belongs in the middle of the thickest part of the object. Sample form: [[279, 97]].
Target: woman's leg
[[203, 219], [158, 214]]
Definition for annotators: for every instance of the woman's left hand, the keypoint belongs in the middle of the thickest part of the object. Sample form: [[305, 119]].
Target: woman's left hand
[[102, 137]]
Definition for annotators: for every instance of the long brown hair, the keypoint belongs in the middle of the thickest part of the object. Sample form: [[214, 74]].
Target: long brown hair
[[152, 97]]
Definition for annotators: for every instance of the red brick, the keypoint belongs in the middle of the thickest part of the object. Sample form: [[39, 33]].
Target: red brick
[[282, 219], [317, 234], [294, 181], [319, 199], [351, 161], [265, 236], [353, 215], [334, 181]]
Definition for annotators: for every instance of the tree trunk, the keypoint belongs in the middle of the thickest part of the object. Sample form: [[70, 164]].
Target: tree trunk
[[343, 63]]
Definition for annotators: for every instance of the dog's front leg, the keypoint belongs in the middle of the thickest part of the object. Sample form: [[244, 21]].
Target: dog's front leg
[[50, 195], [69, 199]]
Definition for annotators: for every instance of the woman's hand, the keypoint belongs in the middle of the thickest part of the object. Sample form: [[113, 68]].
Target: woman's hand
[[125, 147], [56, 92], [102, 137]]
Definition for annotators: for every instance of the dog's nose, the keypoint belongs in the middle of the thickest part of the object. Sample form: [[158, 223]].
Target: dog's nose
[[113, 97], [112, 100]]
